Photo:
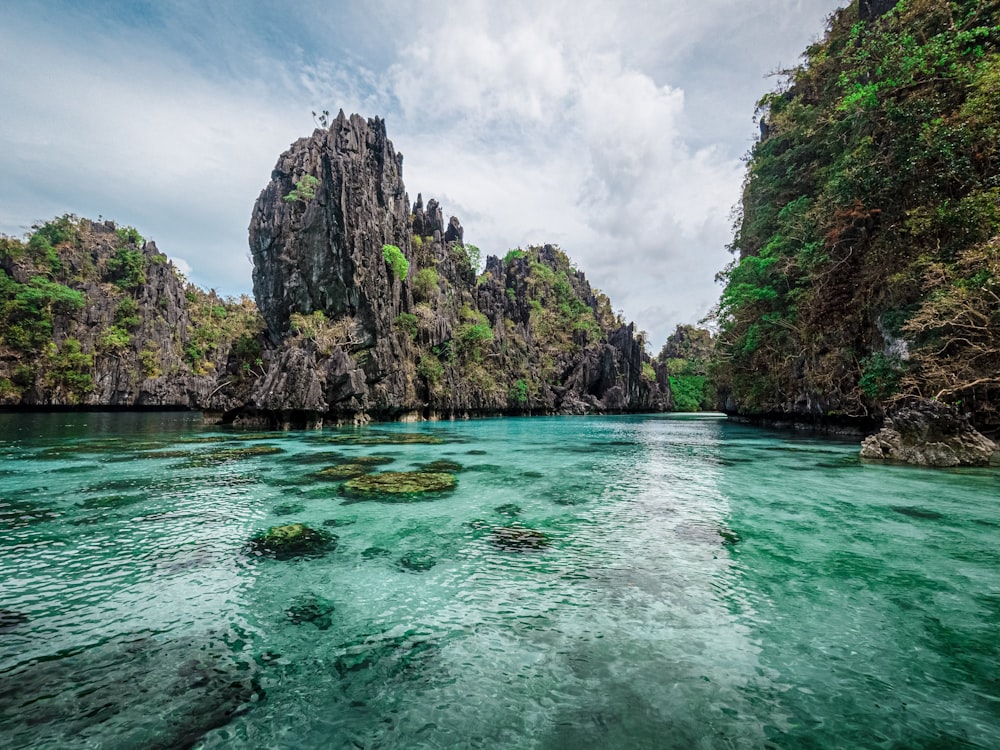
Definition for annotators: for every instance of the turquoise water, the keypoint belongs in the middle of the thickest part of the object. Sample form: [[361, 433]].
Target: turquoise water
[[705, 585]]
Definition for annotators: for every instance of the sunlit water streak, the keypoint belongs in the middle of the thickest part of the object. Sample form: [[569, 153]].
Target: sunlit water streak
[[706, 585]]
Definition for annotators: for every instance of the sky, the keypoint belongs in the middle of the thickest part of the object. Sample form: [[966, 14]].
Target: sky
[[616, 130]]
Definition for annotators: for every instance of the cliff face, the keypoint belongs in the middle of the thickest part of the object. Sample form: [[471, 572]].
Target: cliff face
[[374, 309], [868, 265], [92, 315]]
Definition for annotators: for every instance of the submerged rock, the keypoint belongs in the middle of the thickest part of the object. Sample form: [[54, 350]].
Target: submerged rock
[[338, 522], [292, 540], [10, 619], [729, 537], [418, 562], [349, 470], [508, 509], [228, 455], [399, 486], [929, 433], [516, 538], [442, 465], [129, 691], [922, 513], [311, 608]]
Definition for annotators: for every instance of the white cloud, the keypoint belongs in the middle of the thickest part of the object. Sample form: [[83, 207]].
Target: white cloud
[[614, 130]]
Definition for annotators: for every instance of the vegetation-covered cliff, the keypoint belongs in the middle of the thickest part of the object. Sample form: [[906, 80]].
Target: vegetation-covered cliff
[[92, 315], [868, 245], [374, 307]]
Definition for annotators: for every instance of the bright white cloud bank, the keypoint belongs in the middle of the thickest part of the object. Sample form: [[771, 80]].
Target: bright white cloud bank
[[614, 130]]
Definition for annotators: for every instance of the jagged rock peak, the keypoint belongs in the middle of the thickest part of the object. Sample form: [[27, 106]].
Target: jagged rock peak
[[317, 229], [408, 330]]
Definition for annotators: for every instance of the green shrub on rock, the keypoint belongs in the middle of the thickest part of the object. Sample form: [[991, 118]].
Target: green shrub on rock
[[397, 261]]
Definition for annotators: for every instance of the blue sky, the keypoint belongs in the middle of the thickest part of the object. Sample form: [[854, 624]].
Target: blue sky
[[613, 129]]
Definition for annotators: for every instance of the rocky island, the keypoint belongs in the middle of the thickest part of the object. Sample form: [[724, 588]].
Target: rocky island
[[367, 307]]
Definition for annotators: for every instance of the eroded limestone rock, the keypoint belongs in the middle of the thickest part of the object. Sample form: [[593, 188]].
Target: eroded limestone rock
[[929, 433]]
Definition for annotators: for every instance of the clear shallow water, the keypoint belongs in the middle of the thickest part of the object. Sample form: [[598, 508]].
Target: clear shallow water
[[707, 585]]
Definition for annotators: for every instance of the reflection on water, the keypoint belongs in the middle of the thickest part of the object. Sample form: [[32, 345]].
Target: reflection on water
[[657, 582]]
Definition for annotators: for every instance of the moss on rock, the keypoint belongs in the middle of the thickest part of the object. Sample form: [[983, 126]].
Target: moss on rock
[[292, 540], [398, 486]]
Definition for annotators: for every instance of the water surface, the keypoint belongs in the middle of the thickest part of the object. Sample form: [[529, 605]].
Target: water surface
[[705, 585]]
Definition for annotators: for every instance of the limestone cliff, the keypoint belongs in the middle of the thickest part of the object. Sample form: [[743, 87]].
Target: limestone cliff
[[91, 315], [867, 269], [374, 309]]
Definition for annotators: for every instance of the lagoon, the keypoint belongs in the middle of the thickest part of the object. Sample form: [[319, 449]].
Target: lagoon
[[702, 584]]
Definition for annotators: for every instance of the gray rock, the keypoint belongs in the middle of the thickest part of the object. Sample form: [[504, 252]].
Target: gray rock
[[929, 433]]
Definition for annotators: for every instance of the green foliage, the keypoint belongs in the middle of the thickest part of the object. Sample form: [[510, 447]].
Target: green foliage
[[47, 237], [429, 367], [308, 326], [127, 268], [425, 283], [513, 255], [688, 392], [473, 334], [11, 248], [130, 236], [216, 325], [247, 348], [518, 393], [9, 391], [115, 339], [304, 190], [648, 372], [150, 362], [397, 261], [127, 314], [27, 311], [879, 375], [471, 254], [407, 323], [69, 369]]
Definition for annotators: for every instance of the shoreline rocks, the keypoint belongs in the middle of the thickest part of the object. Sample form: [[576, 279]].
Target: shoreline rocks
[[929, 433]]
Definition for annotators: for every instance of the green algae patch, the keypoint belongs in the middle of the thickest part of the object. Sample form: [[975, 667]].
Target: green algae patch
[[398, 486], [292, 540], [372, 460], [517, 538], [343, 471], [228, 455], [440, 465], [353, 468]]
